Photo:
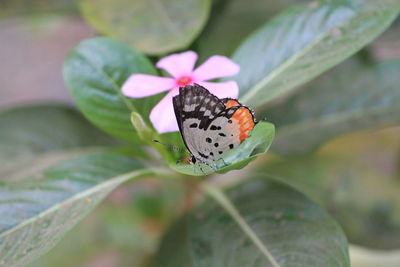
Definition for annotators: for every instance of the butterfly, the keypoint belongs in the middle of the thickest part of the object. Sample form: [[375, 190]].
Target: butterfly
[[210, 126]]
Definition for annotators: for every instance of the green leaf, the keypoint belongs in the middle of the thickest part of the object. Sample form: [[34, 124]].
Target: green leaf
[[34, 197], [152, 27], [296, 231], [37, 136], [94, 72], [304, 41], [232, 21], [38, 210], [354, 96], [130, 221], [260, 140], [356, 178], [169, 145], [145, 133]]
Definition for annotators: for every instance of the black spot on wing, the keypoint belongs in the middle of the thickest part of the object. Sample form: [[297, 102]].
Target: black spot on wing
[[214, 128], [203, 155]]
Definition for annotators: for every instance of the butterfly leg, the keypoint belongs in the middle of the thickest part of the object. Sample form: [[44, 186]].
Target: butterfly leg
[[201, 169], [213, 166], [223, 161]]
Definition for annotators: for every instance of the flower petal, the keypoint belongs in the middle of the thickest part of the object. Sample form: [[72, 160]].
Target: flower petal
[[142, 85], [162, 115], [222, 90], [178, 64], [216, 67]]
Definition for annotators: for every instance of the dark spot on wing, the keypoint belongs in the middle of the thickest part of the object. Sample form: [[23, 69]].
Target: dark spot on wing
[[208, 140], [202, 155], [230, 146], [229, 121], [213, 127], [193, 125], [220, 152], [222, 134], [216, 144], [211, 154]]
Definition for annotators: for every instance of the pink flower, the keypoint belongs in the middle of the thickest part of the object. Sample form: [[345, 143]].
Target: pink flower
[[180, 67]]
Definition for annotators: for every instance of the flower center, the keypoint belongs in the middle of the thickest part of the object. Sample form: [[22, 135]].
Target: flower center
[[184, 80]]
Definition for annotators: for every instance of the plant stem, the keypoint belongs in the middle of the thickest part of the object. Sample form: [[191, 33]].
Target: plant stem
[[218, 195]]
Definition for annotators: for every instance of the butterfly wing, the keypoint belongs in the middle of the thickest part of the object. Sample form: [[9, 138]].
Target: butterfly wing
[[230, 102], [225, 132], [207, 126], [194, 109]]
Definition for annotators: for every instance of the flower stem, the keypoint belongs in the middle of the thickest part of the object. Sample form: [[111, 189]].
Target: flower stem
[[218, 195]]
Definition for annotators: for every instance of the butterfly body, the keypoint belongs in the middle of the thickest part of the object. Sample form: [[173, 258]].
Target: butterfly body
[[210, 126]]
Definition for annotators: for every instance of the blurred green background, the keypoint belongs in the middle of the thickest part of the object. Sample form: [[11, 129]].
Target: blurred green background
[[355, 177]]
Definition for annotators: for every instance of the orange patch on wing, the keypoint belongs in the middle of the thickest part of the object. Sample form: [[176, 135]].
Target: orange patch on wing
[[186, 160], [246, 122], [232, 103]]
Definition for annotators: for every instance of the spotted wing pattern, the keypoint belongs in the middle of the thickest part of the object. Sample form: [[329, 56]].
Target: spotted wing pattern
[[210, 126]]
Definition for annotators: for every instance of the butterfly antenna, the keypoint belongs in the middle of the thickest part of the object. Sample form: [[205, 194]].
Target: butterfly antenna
[[170, 147]]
